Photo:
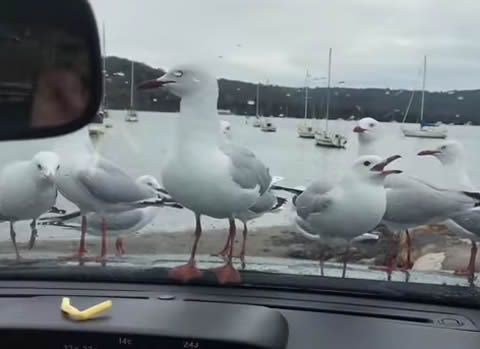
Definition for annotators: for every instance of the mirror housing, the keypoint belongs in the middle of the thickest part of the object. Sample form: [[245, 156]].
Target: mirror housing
[[50, 67]]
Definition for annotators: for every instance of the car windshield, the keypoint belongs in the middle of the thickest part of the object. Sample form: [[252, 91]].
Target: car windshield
[[329, 140]]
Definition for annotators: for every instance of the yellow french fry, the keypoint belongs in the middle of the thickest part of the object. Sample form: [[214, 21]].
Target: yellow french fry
[[86, 314]]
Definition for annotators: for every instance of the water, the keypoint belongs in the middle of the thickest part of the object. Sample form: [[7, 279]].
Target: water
[[142, 148]]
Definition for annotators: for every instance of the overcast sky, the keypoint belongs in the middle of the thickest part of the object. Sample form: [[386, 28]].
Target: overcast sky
[[376, 43]]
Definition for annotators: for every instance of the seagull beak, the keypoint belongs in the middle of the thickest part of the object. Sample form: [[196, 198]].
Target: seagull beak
[[359, 129], [156, 83], [161, 190], [380, 167], [428, 152], [51, 178]]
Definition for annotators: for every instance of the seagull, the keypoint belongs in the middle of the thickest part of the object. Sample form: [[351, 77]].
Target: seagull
[[451, 155], [95, 184], [205, 174], [27, 191], [351, 208], [118, 223], [369, 131], [410, 201], [267, 203]]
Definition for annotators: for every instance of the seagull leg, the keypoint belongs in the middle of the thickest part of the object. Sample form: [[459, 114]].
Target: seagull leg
[[33, 235], [241, 256], [189, 271], [224, 251], [322, 262], [227, 273], [103, 251], [119, 246], [14, 241], [408, 265], [80, 255], [345, 260], [470, 270], [390, 257]]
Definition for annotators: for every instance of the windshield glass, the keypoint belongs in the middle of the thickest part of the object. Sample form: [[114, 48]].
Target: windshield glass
[[304, 138]]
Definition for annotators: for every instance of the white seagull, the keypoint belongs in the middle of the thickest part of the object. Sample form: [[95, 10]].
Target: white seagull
[[118, 223], [206, 174], [27, 190], [451, 154], [95, 184], [351, 208], [410, 201], [267, 203]]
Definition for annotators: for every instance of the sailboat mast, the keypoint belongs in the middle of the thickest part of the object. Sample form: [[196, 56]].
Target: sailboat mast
[[306, 98], [104, 67], [257, 104], [423, 87], [328, 87], [131, 87]]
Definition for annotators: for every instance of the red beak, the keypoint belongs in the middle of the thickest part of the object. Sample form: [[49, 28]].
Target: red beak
[[428, 152], [380, 167], [359, 129], [151, 84]]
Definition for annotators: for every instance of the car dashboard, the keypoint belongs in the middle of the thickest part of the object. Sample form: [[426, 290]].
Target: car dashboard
[[193, 317]]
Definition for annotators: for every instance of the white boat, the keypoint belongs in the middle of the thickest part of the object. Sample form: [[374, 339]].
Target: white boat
[[305, 130], [324, 138], [258, 120], [269, 126], [131, 115], [224, 112], [97, 126], [336, 140], [424, 130]]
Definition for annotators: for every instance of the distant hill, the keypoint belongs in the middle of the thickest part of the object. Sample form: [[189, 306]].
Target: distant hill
[[382, 104]]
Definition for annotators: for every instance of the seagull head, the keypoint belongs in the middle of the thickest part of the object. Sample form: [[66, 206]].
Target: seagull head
[[184, 81], [368, 130], [46, 164], [447, 152], [150, 183], [373, 167]]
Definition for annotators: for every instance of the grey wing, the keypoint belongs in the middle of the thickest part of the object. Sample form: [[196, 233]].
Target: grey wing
[[469, 220], [108, 183], [310, 202], [115, 222], [247, 171], [412, 201], [264, 203]]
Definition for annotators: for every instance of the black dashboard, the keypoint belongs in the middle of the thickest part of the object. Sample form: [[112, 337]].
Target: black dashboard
[[195, 317]]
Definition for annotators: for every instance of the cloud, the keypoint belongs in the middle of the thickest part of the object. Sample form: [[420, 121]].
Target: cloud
[[376, 43]]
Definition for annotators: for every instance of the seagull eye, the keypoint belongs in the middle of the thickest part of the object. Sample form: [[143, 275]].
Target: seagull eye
[[367, 163], [178, 73], [39, 166], [58, 167], [372, 125], [150, 184], [443, 147]]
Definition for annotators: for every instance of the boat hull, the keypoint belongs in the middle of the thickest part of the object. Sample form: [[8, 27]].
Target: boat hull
[[425, 133], [323, 140]]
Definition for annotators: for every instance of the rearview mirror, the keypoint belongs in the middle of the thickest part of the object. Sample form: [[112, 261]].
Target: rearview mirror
[[50, 67]]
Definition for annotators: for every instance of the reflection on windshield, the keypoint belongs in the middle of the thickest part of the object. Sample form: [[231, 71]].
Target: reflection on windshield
[[258, 156]]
